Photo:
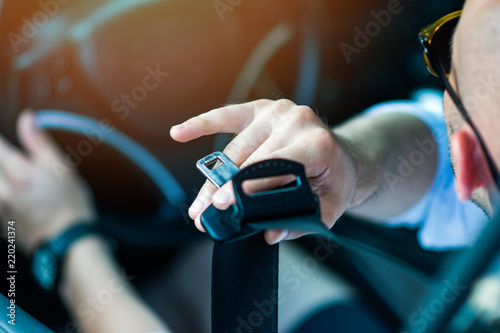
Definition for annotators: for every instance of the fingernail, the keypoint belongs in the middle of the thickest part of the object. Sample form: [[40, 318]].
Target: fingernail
[[179, 127], [282, 236], [197, 206], [221, 196]]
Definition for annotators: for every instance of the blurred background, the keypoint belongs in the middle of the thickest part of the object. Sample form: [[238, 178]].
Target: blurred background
[[145, 65]]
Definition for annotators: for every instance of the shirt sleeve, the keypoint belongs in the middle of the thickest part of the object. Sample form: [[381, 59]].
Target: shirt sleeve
[[443, 221]]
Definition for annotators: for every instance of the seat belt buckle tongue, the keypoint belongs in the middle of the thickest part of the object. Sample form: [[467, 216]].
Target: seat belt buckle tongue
[[242, 219], [217, 168]]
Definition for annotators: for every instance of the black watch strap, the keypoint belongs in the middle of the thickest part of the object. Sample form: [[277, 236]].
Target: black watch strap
[[48, 258]]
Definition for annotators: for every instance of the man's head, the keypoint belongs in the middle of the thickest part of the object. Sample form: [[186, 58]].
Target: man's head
[[475, 77]]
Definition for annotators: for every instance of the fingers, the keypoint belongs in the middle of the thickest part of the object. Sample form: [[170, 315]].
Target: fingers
[[37, 142], [291, 152], [198, 225], [238, 150], [275, 236], [228, 119], [266, 184], [202, 200], [247, 142], [12, 165], [225, 194], [222, 199], [266, 130]]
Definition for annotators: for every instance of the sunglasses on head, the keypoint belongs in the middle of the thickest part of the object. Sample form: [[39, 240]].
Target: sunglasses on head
[[436, 41]]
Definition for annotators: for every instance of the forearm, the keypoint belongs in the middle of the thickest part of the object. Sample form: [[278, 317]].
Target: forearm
[[98, 295], [392, 170]]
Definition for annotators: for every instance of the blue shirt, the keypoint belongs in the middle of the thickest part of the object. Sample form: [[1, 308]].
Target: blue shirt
[[443, 221]]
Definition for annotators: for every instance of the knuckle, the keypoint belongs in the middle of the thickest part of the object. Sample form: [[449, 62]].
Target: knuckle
[[233, 150], [264, 101], [274, 110], [262, 105], [319, 140], [301, 115], [285, 102], [283, 105], [323, 137]]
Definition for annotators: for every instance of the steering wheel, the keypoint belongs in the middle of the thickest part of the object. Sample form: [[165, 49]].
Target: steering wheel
[[167, 217]]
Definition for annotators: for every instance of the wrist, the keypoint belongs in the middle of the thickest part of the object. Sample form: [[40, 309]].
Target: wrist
[[360, 170], [85, 254], [49, 259]]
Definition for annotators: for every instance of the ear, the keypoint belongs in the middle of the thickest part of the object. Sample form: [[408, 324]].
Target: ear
[[471, 168]]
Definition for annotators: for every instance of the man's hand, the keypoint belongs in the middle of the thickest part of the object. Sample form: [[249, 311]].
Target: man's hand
[[31, 193], [43, 205], [275, 129]]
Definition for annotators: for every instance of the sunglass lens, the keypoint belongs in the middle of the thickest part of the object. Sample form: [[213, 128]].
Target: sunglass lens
[[441, 44]]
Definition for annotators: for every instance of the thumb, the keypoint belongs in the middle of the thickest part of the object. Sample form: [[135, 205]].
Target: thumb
[[224, 197], [36, 141]]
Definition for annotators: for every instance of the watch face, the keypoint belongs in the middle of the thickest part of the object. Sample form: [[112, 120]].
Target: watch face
[[44, 268]]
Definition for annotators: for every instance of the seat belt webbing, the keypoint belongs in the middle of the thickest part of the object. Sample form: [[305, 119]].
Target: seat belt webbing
[[245, 287]]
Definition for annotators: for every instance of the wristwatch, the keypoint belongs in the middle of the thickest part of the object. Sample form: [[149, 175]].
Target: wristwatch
[[48, 258]]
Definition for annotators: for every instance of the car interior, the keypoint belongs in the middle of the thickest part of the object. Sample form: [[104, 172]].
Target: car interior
[[142, 66]]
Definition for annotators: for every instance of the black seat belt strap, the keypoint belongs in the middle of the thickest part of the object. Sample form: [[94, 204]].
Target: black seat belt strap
[[245, 286], [244, 267]]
